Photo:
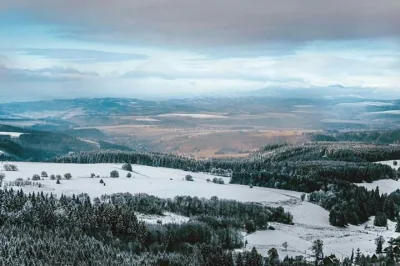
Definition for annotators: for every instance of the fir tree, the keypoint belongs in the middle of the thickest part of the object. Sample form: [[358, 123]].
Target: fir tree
[[379, 241], [317, 248], [239, 260], [358, 257], [398, 224]]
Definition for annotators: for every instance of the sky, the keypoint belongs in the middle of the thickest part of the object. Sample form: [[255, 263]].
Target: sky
[[177, 48]]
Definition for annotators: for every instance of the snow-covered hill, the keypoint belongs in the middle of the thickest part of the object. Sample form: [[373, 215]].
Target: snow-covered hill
[[311, 221]]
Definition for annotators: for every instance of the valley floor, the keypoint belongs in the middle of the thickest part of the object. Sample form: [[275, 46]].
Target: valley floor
[[311, 221]]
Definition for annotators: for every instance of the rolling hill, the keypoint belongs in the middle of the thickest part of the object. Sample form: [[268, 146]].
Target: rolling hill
[[32, 145]]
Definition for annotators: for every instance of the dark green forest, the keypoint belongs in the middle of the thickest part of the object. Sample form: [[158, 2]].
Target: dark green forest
[[325, 171], [38, 229], [34, 145]]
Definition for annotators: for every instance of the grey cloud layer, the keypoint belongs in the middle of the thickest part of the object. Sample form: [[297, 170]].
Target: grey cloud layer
[[84, 56], [44, 74], [213, 22]]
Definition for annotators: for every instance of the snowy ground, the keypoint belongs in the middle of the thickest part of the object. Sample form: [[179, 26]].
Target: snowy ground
[[158, 181], [147, 119], [391, 163], [311, 221], [339, 241], [11, 134], [385, 185], [167, 218]]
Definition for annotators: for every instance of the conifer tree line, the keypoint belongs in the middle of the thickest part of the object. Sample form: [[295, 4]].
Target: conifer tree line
[[41, 229], [217, 212], [330, 151], [242, 168], [330, 183]]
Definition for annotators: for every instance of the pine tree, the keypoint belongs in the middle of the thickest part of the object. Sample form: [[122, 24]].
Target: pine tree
[[358, 257], [2, 176], [285, 245], [273, 256], [317, 248], [239, 260], [379, 241], [398, 224], [380, 219], [333, 217], [389, 208], [254, 259], [337, 217], [352, 256]]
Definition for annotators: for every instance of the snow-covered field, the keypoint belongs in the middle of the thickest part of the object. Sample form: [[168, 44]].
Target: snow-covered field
[[167, 218], [203, 116], [147, 119], [385, 185], [391, 163], [11, 134], [65, 114], [311, 221], [158, 181], [336, 240]]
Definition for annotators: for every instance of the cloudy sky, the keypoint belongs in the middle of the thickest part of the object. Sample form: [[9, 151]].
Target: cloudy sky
[[134, 48]]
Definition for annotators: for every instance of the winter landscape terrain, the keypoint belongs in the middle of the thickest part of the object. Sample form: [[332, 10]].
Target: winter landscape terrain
[[199, 133], [311, 222]]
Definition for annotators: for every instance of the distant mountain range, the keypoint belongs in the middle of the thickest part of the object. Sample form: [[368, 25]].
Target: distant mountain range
[[337, 92], [67, 114]]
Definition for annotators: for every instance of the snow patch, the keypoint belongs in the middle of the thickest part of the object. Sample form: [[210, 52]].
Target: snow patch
[[167, 218], [391, 163], [91, 142], [53, 114], [203, 116], [339, 241], [385, 185], [147, 119], [11, 134]]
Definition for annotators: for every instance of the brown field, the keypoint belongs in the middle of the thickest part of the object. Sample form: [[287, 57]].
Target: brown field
[[203, 142], [216, 135]]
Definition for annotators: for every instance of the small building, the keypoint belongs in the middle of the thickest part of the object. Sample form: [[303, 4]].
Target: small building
[[330, 261], [374, 259]]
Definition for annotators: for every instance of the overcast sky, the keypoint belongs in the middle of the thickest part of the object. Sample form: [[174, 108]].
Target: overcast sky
[[134, 48]]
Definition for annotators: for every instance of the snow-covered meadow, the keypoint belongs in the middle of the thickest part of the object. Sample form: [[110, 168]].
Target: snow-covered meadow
[[11, 134], [201, 116], [395, 164], [385, 185], [311, 221], [157, 181]]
